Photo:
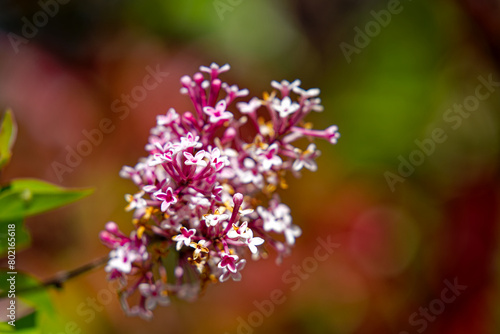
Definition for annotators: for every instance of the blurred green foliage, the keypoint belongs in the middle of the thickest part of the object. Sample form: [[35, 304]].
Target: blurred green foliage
[[21, 198]]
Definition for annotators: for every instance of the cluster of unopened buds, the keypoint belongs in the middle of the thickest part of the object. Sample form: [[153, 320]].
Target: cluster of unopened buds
[[207, 190]]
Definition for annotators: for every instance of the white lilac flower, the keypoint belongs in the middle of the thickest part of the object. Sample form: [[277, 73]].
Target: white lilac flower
[[199, 248], [270, 157], [284, 86], [152, 188], [214, 219], [121, 259], [250, 107], [189, 141], [228, 262], [277, 219], [167, 119], [127, 172], [233, 92], [214, 70], [313, 92], [196, 160], [140, 311], [313, 104], [217, 160], [252, 242], [197, 201], [184, 237], [307, 159], [250, 173], [159, 158], [155, 294], [236, 276], [167, 198], [135, 201], [285, 107], [240, 232], [218, 113], [292, 232], [206, 198]]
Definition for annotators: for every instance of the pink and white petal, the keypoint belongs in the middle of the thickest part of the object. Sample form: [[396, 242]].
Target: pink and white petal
[[298, 165], [241, 264], [311, 165], [236, 276], [225, 276]]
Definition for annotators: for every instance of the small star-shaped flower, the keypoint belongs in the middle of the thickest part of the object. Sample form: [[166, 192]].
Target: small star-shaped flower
[[250, 107], [313, 92], [285, 107], [199, 248], [136, 201], [252, 242], [167, 119], [184, 237], [292, 232], [155, 294], [228, 262], [187, 142], [239, 232], [285, 86], [306, 159], [218, 113], [214, 70], [236, 276], [197, 159], [270, 157], [214, 219], [167, 198]]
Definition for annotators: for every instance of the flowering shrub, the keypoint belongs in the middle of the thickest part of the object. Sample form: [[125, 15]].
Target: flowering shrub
[[207, 190]]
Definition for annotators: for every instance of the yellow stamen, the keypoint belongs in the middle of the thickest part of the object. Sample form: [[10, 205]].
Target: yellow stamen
[[148, 212], [308, 125], [228, 206], [283, 183], [270, 188], [140, 231]]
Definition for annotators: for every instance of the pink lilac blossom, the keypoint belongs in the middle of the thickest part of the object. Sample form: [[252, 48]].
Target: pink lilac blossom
[[207, 190]]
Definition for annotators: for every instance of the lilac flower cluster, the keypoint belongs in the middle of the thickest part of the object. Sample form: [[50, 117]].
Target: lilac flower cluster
[[207, 190]]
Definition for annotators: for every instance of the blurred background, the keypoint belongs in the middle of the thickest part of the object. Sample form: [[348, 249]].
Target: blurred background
[[410, 193]]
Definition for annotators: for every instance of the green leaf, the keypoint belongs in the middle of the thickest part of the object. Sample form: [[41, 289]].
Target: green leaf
[[22, 237], [26, 322], [27, 197], [6, 328], [8, 132], [35, 313]]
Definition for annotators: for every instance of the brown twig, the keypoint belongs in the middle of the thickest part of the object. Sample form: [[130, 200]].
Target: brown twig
[[60, 278]]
